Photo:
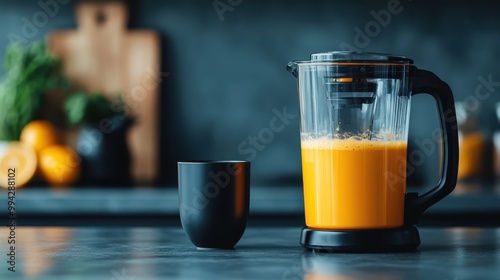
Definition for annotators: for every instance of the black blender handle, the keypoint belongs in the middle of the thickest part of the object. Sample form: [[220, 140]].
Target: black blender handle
[[423, 81]]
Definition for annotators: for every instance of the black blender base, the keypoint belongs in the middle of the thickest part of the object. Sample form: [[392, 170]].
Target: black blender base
[[371, 240]]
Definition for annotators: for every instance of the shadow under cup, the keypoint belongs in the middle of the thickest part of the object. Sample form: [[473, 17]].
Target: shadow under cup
[[214, 201]]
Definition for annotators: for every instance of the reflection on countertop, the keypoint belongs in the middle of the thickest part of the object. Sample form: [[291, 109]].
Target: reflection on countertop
[[263, 253]]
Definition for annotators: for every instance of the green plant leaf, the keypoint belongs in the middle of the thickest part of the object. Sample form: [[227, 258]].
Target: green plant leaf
[[30, 71], [76, 108]]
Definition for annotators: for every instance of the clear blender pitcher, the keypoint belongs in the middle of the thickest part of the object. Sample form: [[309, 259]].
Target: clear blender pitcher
[[355, 110]]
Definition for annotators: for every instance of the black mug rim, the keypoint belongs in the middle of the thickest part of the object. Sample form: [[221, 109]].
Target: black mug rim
[[207, 162]]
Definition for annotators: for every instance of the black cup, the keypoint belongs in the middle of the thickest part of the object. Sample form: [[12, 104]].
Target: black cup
[[214, 201]]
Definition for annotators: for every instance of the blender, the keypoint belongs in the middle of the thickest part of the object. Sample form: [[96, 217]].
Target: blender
[[354, 118]]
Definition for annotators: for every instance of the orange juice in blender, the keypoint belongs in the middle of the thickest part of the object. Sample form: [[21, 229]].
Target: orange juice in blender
[[355, 184]]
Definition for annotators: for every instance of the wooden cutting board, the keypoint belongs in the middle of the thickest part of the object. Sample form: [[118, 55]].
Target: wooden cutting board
[[102, 55]]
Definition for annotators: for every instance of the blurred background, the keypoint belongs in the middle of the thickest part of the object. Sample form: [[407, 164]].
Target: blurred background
[[99, 100], [186, 80]]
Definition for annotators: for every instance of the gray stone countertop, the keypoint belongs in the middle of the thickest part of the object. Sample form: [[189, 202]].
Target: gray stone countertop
[[123, 253]]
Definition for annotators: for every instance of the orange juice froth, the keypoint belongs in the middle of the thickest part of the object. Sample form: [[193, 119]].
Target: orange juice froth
[[354, 184]]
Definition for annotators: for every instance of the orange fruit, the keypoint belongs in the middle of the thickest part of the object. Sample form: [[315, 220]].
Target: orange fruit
[[39, 134], [18, 164], [59, 165]]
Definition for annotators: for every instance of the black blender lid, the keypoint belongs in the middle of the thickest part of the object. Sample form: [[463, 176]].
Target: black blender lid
[[349, 56]]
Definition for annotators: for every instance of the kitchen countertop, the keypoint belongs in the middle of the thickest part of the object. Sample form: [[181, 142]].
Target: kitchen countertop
[[129, 253]]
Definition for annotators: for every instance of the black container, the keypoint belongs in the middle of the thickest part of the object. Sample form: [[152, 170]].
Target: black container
[[214, 201], [105, 154]]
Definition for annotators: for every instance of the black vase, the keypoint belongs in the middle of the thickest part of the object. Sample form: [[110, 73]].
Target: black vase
[[105, 157]]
